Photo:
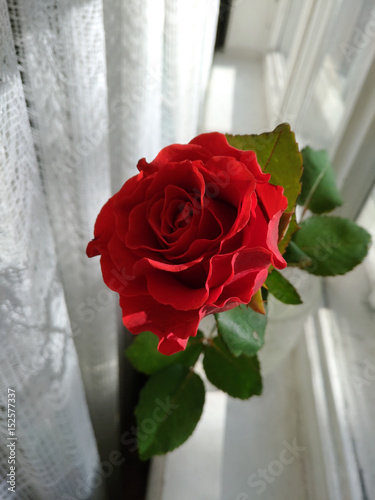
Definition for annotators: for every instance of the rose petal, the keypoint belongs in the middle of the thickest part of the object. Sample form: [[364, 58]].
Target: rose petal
[[103, 229], [147, 264], [176, 153], [224, 214], [235, 189], [278, 260], [168, 290], [117, 268], [136, 238], [217, 145], [185, 175], [272, 198], [171, 344], [131, 194], [143, 313], [273, 203], [119, 280], [241, 290]]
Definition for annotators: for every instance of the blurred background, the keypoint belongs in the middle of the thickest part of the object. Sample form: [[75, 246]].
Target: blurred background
[[88, 87]]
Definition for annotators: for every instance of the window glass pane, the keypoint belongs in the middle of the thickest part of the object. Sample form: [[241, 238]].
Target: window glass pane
[[286, 36], [343, 62], [288, 29]]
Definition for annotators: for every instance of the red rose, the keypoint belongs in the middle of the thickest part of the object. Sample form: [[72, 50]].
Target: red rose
[[192, 234]]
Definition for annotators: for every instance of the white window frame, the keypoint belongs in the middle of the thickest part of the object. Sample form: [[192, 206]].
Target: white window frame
[[309, 35]]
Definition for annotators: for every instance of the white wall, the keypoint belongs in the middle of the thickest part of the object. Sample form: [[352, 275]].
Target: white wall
[[249, 25]]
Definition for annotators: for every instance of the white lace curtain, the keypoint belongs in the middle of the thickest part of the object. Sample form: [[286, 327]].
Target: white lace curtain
[[86, 88]]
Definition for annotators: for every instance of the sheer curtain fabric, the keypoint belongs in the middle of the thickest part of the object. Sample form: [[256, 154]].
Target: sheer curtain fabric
[[86, 89]]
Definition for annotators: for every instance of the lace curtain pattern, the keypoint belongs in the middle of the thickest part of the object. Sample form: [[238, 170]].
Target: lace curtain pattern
[[86, 89]]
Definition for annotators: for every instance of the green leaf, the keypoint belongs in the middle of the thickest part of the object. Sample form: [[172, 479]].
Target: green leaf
[[278, 154], [242, 329], [238, 376], [145, 357], [296, 257], [282, 289], [169, 408], [319, 190], [333, 244]]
